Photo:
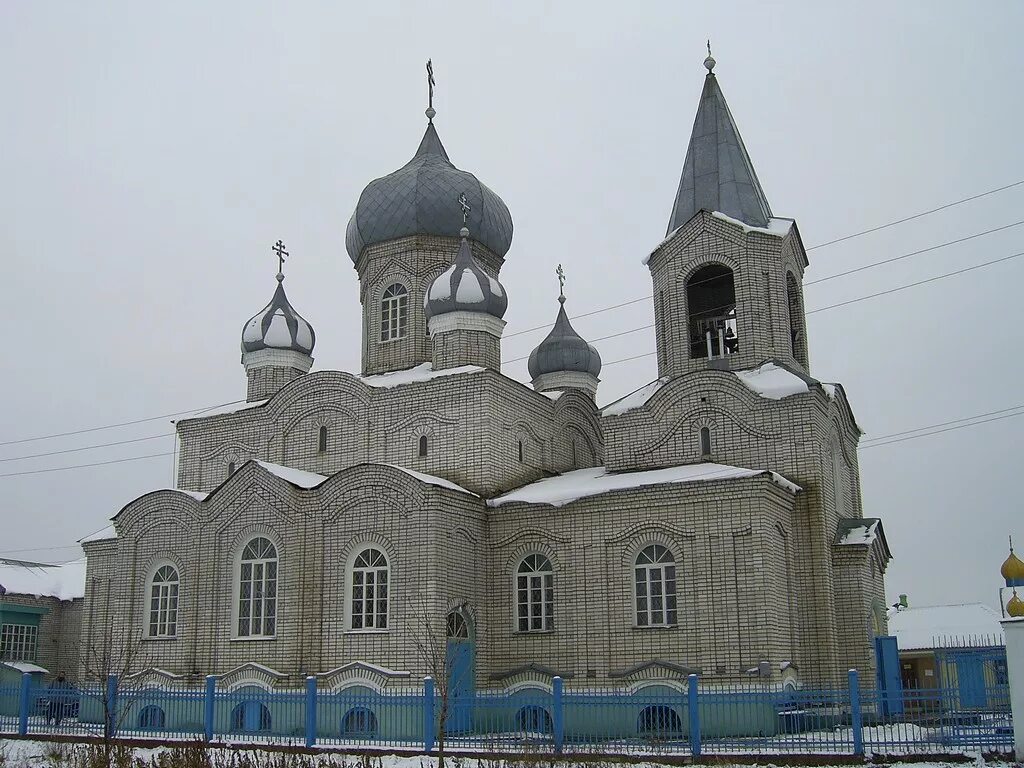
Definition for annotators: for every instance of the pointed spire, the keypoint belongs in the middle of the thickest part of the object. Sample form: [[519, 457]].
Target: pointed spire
[[717, 173]]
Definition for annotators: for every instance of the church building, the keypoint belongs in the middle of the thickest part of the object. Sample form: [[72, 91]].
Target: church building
[[709, 522]]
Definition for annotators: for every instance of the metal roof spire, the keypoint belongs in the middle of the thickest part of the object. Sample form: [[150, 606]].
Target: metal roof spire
[[717, 173]]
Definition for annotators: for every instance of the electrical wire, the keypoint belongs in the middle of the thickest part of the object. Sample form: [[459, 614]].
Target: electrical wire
[[83, 448]]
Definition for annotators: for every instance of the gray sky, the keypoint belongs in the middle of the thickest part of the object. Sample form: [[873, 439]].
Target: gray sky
[[151, 154]]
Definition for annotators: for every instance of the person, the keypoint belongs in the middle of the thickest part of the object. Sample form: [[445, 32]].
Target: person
[[59, 696], [732, 344]]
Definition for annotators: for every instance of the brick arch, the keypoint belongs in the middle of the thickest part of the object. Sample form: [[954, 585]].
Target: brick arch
[[535, 546]]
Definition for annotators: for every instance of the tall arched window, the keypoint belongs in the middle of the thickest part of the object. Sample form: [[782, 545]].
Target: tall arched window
[[231, 468], [838, 480], [535, 594], [798, 342], [257, 589], [321, 440], [422, 445], [705, 441], [394, 312], [655, 572], [369, 579], [711, 303], [163, 602]]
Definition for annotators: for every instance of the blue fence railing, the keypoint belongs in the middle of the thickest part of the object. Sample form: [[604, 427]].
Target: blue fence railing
[[658, 718]]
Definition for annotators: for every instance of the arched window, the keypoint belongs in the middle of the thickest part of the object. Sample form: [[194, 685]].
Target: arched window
[[257, 589], [535, 594], [359, 721], [520, 442], [369, 590], [533, 718], [655, 581], [394, 312], [231, 468], [163, 602], [456, 626], [658, 721], [705, 441], [798, 343], [423, 446], [838, 480], [151, 718], [321, 440], [711, 303], [250, 716]]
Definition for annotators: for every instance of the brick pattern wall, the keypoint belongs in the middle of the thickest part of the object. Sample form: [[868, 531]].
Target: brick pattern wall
[[57, 640], [466, 347], [264, 382]]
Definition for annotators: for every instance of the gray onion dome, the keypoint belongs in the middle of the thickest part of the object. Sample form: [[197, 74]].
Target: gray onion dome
[[465, 287], [417, 200], [278, 326], [564, 350]]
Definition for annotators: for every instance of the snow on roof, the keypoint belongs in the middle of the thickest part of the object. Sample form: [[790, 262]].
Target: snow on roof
[[221, 410], [422, 372], [634, 399], [107, 532], [298, 477], [865, 533], [564, 489], [830, 390], [772, 381], [776, 227], [439, 481], [64, 582], [553, 394], [24, 666], [967, 624]]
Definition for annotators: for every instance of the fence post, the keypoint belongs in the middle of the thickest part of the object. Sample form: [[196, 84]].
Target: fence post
[[23, 703], [428, 714], [310, 711], [208, 707], [557, 713], [693, 707], [111, 699], [856, 716]]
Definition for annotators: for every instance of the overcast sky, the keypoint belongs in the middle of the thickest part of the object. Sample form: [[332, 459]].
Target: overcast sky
[[150, 154]]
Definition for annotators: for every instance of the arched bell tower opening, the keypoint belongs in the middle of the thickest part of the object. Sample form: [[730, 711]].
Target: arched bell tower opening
[[797, 333], [711, 304]]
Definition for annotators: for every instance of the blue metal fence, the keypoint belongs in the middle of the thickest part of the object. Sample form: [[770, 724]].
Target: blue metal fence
[[659, 718]]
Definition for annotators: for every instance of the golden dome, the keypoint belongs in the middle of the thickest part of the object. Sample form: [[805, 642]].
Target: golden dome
[[1013, 568], [1015, 608]]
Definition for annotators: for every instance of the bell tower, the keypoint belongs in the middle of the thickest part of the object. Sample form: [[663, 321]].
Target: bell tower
[[728, 276]]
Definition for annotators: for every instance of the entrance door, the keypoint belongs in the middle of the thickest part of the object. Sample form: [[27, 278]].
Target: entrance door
[[970, 676], [461, 665]]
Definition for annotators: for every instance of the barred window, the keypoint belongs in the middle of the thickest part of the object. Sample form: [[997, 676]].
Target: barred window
[[394, 312], [257, 589], [18, 642], [369, 590], [535, 593], [655, 587], [163, 602]]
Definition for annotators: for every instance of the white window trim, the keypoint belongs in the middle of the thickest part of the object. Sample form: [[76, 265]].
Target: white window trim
[[395, 314], [236, 586], [147, 597], [515, 596], [357, 550], [632, 576]]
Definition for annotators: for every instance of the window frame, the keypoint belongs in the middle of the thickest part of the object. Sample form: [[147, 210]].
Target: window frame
[[352, 569], [667, 586], [237, 573], [168, 602], [394, 313], [15, 636], [322, 438], [535, 578]]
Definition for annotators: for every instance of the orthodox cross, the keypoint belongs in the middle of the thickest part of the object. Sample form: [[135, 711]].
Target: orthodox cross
[[466, 208], [281, 254], [709, 47], [430, 84], [561, 282]]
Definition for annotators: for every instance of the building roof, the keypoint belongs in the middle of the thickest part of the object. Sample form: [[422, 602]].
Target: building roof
[[278, 326], [465, 287], [421, 198], [564, 350], [942, 626], [64, 582], [717, 172]]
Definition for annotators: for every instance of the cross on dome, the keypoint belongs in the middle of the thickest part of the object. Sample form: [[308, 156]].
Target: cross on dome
[[278, 248], [466, 207], [561, 283], [430, 91]]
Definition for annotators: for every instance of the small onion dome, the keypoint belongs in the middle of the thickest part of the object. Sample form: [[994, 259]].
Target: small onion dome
[[1013, 570], [564, 350], [417, 199], [1015, 608], [278, 326], [465, 287]]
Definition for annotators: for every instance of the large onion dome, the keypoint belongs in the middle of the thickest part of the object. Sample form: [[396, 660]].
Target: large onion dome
[[465, 287], [1015, 608], [417, 200], [564, 350], [1012, 570], [278, 326]]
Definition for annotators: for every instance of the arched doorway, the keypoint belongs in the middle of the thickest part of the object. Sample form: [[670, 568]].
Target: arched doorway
[[711, 305], [461, 665]]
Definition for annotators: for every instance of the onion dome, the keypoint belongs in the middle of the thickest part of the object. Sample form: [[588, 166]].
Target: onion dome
[[465, 287], [278, 326], [1013, 570], [417, 200], [564, 350], [1015, 608]]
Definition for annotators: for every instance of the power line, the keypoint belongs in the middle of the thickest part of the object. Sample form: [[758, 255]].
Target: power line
[[916, 215], [83, 448], [940, 431], [943, 424], [81, 466]]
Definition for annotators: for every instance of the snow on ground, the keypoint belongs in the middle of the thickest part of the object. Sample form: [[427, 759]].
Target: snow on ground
[[772, 382], [64, 582], [564, 489]]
